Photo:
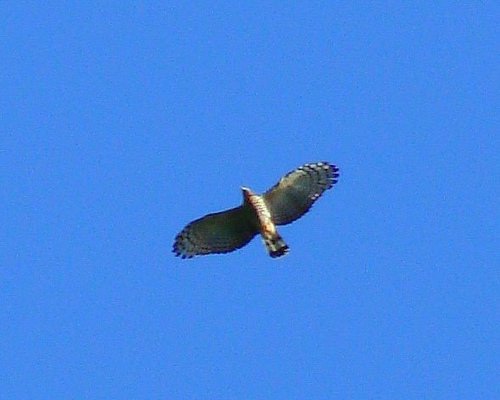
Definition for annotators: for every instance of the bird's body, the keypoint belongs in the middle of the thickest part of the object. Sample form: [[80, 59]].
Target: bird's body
[[285, 202], [266, 227]]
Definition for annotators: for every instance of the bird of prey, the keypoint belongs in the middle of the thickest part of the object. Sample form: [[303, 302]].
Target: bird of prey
[[284, 203]]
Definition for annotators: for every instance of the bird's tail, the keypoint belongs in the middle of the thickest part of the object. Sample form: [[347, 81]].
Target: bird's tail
[[275, 245]]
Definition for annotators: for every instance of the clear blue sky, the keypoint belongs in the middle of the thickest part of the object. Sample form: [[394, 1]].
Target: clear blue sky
[[121, 122]]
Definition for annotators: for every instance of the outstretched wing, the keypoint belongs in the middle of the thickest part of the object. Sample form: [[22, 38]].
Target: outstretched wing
[[296, 192], [220, 232]]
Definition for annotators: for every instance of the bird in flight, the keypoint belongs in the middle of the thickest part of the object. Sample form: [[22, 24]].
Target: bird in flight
[[284, 203]]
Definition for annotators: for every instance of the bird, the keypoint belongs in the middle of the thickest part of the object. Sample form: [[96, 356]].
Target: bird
[[285, 202]]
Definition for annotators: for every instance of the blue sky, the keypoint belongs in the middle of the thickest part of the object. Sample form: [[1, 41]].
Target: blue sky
[[122, 122]]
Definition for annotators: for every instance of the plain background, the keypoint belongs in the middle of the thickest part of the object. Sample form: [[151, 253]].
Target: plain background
[[121, 122]]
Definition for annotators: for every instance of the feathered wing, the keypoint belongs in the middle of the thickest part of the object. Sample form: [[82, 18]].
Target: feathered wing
[[220, 232], [296, 192]]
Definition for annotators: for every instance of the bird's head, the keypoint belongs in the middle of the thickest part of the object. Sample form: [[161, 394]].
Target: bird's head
[[246, 193]]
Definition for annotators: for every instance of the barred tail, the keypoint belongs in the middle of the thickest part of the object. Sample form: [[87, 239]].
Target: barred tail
[[276, 246]]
